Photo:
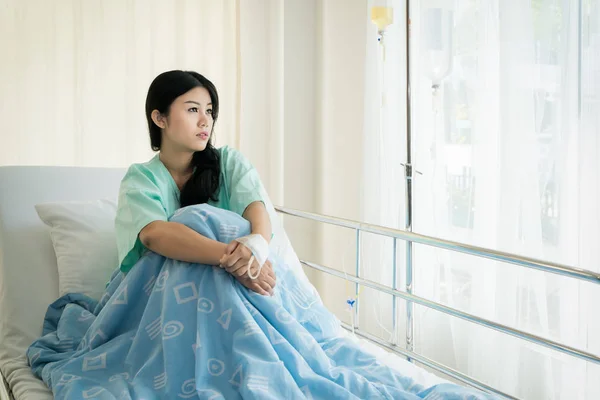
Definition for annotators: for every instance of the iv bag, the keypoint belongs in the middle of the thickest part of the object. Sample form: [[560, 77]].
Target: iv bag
[[382, 14], [437, 25]]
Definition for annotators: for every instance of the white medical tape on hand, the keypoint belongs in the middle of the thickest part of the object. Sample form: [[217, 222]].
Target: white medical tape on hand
[[260, 251]]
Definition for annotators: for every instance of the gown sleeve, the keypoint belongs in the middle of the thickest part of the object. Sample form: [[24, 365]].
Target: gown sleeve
[[242, 181], [139, 204]]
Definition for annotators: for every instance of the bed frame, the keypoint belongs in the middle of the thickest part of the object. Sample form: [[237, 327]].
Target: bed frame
[[411, 299]]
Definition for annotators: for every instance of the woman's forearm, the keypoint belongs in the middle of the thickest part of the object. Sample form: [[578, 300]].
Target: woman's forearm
[[177, 241], [259, 219]]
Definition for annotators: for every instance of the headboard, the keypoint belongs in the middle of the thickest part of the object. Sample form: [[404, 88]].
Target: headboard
[[28, 271]]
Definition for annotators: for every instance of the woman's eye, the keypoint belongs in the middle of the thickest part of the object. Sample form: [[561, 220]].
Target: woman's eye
[[209, 112], [193, 109]]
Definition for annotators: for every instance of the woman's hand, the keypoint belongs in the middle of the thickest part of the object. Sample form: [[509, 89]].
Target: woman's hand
[[264, 283], [236, 259]]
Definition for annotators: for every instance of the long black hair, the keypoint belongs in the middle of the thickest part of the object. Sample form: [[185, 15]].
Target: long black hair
[[203, 185]]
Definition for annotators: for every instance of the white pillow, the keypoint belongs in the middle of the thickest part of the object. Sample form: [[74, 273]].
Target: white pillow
[[84, 241]]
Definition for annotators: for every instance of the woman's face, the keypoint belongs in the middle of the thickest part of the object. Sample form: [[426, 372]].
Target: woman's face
[[189, 124]]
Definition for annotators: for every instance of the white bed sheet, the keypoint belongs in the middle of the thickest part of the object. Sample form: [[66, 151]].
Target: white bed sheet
[[27, 385], [3, 389]]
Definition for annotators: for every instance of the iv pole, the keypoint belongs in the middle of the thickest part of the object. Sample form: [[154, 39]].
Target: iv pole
[[381, 16], [408, 172]]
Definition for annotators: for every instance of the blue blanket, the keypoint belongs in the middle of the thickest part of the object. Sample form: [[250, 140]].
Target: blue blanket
[[172, 329]]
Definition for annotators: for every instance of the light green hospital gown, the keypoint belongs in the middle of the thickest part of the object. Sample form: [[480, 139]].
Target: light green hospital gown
[[148, 193]]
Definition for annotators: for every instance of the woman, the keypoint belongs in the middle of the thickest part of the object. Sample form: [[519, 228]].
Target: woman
[[172, 331], [181, 109]]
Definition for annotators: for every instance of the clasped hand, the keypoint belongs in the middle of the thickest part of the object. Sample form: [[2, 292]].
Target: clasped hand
[[239, 261]]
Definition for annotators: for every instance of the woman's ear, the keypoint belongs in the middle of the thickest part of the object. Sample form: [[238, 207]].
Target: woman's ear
[[159, 119]]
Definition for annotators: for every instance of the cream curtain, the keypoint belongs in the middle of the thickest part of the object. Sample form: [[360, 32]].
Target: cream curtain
[[74, 74]]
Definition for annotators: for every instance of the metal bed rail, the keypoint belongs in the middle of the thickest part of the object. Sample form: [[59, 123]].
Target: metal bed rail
[[410, 298]]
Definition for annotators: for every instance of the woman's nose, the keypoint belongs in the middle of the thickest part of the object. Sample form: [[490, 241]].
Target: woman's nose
[[202, 120]]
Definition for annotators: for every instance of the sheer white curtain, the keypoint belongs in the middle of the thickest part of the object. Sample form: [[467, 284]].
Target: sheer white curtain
[[508, 149]]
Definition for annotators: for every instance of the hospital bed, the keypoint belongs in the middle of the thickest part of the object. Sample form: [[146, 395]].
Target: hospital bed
[[29, 277]]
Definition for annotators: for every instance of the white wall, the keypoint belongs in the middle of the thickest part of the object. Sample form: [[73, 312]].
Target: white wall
[[342, 63], [300, 110]]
